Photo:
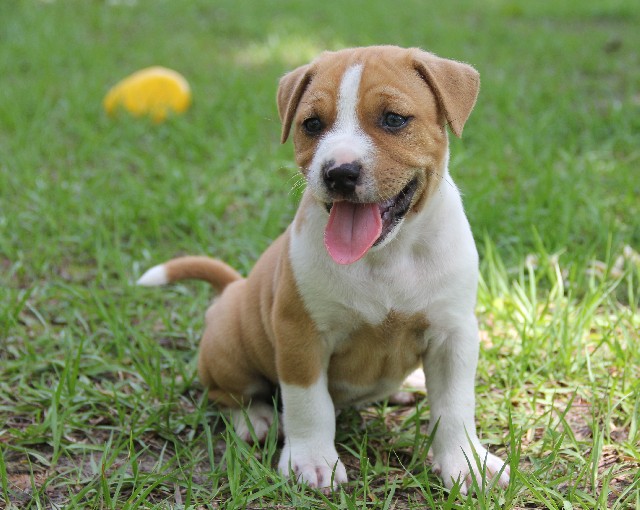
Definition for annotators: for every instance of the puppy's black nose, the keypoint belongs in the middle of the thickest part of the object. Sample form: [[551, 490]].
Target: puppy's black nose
[[342, 179]]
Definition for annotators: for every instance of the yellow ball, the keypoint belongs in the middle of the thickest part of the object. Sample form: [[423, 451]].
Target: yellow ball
[[154, 92]]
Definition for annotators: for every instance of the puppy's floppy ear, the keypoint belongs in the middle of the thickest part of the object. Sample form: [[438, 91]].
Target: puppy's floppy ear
[[456, 86], [292, 86]]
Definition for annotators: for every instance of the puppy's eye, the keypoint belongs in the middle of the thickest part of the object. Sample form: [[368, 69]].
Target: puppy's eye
[[313, 125], [393, 121]]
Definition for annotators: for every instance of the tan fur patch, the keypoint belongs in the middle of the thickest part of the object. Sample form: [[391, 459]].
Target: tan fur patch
[[419, 149], [258, 324], [300, 351], [227, 364], [376, 356], [236, 358]]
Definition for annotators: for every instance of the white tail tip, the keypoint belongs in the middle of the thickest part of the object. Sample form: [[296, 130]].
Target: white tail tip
[[155, 276]]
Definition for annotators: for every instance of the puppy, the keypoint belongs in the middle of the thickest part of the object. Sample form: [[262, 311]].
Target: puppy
[[375, 277]]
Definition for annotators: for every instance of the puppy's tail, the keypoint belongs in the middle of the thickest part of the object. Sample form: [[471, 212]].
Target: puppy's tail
[[216, 272]]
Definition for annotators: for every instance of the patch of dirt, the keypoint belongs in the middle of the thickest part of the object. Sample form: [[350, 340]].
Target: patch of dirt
[[34, 472]]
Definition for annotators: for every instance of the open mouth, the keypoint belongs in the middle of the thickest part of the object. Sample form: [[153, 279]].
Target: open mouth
[[353, 228], [394, 209]]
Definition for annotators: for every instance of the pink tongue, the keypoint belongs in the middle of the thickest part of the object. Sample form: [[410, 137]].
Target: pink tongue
[[351, 231]]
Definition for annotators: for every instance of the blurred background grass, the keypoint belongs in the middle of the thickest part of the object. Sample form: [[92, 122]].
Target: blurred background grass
[[552, 144]]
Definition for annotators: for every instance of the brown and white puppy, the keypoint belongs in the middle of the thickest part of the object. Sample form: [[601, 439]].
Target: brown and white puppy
[[375, 277]]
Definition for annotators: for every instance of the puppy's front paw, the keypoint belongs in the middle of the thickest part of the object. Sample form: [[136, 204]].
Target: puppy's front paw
[[453, 466], [317, 467]]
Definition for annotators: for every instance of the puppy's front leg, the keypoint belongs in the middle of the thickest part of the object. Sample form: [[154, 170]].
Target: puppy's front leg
[[309, 427], [302, 359], [450, 368]]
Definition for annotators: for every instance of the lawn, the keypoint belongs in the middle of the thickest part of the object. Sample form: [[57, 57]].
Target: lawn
[[99, 402]]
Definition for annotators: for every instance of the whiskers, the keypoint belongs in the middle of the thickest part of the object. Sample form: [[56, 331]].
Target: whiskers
[[442, 177], [298, 185]]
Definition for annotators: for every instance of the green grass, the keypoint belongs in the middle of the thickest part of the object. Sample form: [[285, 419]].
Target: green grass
[[99, 403]]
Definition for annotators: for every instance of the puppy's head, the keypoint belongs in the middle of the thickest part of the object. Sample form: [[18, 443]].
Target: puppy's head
[[369, 133]]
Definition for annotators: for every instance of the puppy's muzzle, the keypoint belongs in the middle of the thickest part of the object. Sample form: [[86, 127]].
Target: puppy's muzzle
[[342, 179]]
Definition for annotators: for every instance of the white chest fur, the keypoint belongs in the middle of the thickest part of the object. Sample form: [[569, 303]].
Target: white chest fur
[[428, 272]]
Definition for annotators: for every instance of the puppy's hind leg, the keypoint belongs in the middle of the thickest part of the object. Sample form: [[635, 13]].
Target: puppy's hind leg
[[251, 417], [252, 423]]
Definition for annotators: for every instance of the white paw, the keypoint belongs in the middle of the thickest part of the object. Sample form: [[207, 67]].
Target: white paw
[[402, 398], [453, 467], [316, 467], [258, 416]]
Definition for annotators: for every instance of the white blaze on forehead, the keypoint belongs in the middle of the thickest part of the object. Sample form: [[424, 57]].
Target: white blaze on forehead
[[346, 141], [347, 119]]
